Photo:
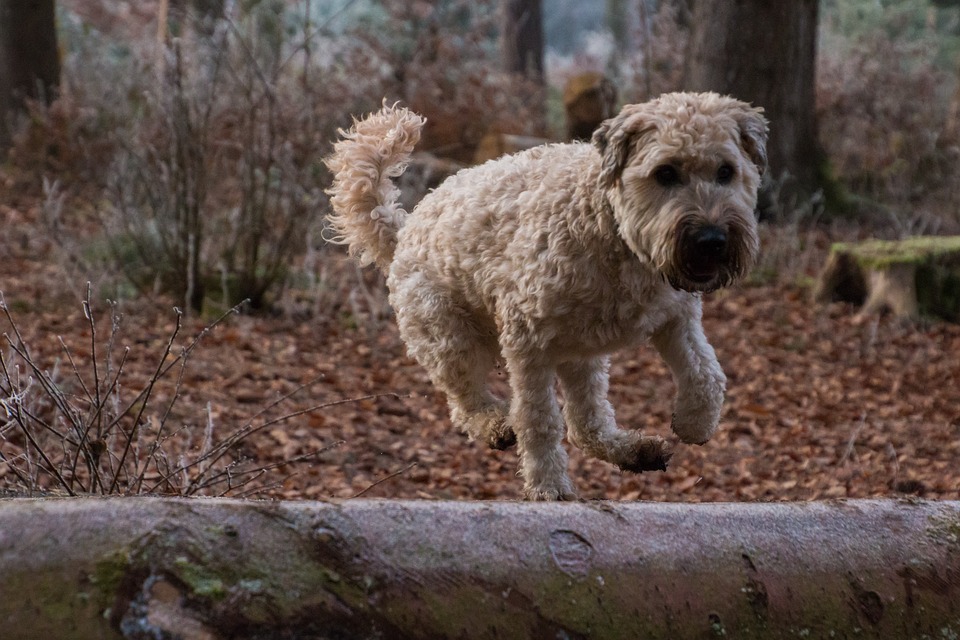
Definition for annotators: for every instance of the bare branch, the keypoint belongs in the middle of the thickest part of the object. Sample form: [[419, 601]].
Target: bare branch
[[389, 477]]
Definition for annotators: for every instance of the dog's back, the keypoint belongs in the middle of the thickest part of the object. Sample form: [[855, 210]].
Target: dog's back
[[509, 202], [525, 232]]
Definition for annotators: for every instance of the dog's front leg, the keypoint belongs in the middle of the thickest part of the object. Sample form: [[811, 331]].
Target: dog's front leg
[[591, 424], [699, 378], [535, 418]]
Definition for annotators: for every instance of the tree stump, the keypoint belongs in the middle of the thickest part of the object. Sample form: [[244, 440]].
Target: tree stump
[[912, 278], [495, 144], [589, 98]]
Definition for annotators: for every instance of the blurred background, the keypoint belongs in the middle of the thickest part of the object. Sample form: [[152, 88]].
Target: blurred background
[[161, 109], [169, 153]]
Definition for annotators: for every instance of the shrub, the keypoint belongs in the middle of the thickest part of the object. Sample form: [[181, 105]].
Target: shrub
[[87, 426], [884, 80], [880, 115], [206, 152], [218, 177]]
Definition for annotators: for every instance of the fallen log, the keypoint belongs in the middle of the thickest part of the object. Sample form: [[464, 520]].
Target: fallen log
[[912, 278], [168, 568]]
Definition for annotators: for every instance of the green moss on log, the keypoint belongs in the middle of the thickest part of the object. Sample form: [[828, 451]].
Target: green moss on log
[[109, 574], [201, 581], [877, 254]]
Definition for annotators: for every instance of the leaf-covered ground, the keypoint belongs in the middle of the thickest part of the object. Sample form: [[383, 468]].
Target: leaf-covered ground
[[821, 403]]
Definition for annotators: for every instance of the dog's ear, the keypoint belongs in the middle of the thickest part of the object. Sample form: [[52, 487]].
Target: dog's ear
[[753, 134], [614, 138], [613, 145]]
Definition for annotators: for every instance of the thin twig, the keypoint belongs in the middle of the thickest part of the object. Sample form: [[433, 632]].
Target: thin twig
[[145, 394], [18, 418], [249, 429], [92, 322], [848, 450], [14, 468], [389, 477], [216, 478], [50, 388]]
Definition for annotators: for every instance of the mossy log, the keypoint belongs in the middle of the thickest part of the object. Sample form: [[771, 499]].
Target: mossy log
[[912, 278], [169, 568]]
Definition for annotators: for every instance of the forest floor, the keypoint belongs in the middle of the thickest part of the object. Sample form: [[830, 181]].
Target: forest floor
[[821, 403]]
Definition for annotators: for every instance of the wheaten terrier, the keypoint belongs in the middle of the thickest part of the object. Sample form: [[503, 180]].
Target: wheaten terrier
[[556, 256]]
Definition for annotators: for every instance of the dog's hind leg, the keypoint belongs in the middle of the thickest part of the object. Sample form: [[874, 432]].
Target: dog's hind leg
[[461, 374], [535, 416], [590, 420], [458, 355]]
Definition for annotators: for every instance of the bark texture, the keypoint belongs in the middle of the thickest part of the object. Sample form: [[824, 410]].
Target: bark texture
[[521, 39], [765, 53], [29, 58], [163, 568]]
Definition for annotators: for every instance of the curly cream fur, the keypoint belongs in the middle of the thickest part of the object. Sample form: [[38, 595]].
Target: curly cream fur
[[555, 257], [367, 213]]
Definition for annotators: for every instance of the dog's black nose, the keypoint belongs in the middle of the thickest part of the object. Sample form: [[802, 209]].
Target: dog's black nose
[[704, 253], [710, 241]]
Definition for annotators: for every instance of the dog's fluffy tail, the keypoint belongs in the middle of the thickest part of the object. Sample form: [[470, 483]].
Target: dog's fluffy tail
[[366, 209]]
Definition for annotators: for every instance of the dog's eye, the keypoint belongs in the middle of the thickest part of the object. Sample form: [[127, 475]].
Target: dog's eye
[[666, 175], [725, 174]]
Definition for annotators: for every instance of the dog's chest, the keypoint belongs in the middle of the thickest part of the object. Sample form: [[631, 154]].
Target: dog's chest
[[614, 314]]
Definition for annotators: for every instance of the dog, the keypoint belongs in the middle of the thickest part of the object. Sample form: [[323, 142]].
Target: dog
[[557, 256]]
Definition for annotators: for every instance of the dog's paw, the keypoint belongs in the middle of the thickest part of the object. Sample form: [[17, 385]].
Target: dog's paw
[[551, 494], [490, 427], [692, 430], [501, 439], [651, 454], [496, 433], [550, 489]]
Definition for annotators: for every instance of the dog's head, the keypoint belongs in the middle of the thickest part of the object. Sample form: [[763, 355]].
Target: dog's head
[[681, 173]]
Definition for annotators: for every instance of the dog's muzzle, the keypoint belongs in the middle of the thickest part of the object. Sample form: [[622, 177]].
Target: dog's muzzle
[[703, 254]]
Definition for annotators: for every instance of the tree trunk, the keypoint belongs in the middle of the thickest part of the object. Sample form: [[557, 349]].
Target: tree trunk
[[765, 53], [29, 58], [521, 37], [152, 568]]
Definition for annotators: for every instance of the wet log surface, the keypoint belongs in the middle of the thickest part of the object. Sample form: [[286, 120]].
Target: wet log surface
[[165, 568]]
